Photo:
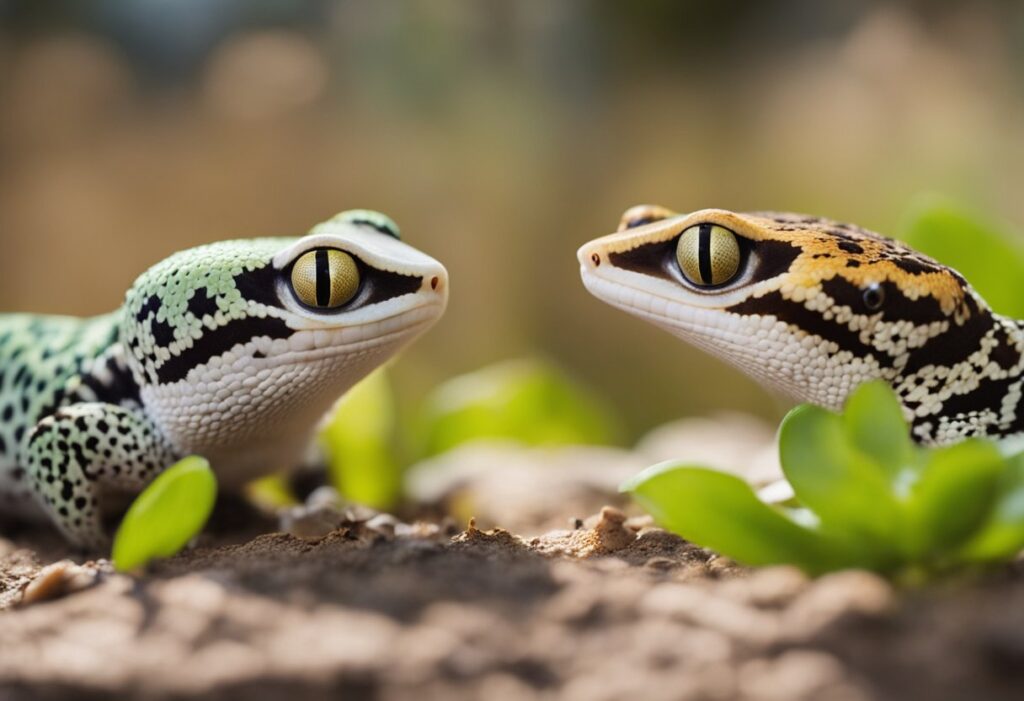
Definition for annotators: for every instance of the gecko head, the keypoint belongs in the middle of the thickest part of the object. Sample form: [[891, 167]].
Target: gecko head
[[250, 335], [806, 305]]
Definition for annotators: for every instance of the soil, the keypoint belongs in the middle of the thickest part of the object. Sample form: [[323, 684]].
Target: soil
[[612, 608], [529, 601]]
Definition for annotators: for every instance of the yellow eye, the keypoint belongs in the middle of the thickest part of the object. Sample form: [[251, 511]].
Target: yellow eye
[[325, 278], [708, 254]]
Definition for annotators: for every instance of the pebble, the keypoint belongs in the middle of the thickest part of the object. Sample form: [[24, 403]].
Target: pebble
[[59, 579]]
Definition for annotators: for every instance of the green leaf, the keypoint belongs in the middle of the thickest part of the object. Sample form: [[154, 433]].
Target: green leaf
[[849, 492], [1002, 535], [953, 496], [166, 515], [358, 442], [720, 511], [527, 401], [991, 257], [874, 423], [866, 496]]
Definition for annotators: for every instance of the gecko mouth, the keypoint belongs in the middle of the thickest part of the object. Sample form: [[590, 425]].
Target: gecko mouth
[[635, 301], [323, 342], [631, 298], [297, 346]]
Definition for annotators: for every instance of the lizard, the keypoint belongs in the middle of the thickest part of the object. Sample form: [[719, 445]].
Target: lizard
[[232, 350], [812, 308]]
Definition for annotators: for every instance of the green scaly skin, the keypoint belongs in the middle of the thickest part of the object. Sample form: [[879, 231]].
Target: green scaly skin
[[215, 352]]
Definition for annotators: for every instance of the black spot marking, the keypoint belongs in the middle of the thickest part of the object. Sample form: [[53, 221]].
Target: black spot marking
[[259, 285], [953, 346], [641, 221], [648, 259], [987, 396], [381, 285], [151, 306], [58, 397], [201, 304], [218, 341], [898, 307], [850, 247], [118, 386], [774, 257], [163, 333], [1005, 354], [377, 226], [916, 265], [796, 314]]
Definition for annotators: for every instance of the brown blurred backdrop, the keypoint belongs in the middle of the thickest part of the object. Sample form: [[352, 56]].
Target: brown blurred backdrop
[[500, 136]]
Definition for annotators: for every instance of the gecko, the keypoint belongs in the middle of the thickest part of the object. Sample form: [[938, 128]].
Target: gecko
[[233, 351], [813, 307]]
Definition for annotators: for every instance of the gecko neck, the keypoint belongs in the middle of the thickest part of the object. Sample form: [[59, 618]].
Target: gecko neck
[[971, 385]]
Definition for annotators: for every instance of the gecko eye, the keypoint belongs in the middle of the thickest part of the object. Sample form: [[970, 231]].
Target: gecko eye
[[325, 278], [708, 255], [874, 296]]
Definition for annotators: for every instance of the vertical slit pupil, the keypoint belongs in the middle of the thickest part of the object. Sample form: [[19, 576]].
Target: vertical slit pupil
[[704, 253], [323, 279]]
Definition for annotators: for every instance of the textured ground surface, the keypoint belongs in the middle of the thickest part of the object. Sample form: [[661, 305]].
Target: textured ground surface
[[608, 610]]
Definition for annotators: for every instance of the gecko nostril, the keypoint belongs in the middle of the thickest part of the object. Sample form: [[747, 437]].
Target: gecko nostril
[[595, 259], [434, 282]]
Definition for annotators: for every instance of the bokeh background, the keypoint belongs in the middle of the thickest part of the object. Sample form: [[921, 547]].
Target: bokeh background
[[500, 136]]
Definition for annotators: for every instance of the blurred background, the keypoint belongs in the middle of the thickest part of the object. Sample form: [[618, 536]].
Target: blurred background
[[500, 136]]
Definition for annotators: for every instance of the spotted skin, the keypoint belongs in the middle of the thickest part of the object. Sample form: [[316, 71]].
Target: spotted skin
[[819, 307], [212, 353], [47, 363], [88, 445]]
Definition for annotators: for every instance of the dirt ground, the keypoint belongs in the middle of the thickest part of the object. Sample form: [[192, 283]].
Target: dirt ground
[[611, 608]]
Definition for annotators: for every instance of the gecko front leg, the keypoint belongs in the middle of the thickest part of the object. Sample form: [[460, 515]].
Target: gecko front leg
[[80, 451]]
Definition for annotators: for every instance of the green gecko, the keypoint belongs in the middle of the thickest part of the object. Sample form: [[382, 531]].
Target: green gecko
[[232, 350]]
